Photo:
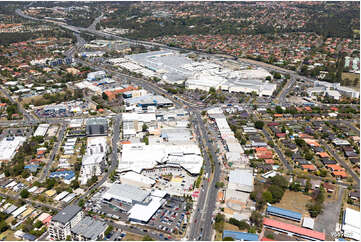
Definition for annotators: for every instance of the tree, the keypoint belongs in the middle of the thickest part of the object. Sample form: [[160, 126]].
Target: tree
[[279, 181], [277, 75], [279, 110], [147, 238], [259, 124], [81, 203], [3, 226], [50, 183], [74, 184], [108, 230], [256, 219], [295, 187], [219, 184], [68, 238], [24, 193], [240, 224], [228, 239], [38, 224], [267, 196], [219, 222], [288, 153], [277, 193], [268, 78], [144, 127]]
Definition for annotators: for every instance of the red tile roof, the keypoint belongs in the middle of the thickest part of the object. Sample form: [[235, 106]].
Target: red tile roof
[[266, 239], [294, 229]]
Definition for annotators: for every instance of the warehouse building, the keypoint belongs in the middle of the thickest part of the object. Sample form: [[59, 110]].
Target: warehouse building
[[41, 130], [284, 213], [9, 147], [351, 224]]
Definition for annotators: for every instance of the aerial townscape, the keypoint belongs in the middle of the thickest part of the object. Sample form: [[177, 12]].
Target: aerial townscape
[[180, 121]]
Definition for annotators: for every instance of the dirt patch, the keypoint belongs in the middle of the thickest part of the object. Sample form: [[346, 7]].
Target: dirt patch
[[228, 226], [295, 201]]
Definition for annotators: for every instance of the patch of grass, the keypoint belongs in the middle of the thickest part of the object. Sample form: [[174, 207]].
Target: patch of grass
[[352, 77], [218, 236]]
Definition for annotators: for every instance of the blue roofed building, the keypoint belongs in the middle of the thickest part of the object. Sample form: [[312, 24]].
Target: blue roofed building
[[32, 168], [68, 176], [284, 213], [242, 236]]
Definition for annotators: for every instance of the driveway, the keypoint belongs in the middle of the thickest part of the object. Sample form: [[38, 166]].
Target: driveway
[[326, 222]]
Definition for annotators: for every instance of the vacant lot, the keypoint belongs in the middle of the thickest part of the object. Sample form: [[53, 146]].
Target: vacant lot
[[8, 235], [232, 227], [352, 77], [295, 201], [133, 237]]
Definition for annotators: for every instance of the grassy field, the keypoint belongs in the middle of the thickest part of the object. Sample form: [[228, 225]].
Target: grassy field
[[289, 202], [232, 227], [8, 235], [352, 77], [218, 236], [132, 237]]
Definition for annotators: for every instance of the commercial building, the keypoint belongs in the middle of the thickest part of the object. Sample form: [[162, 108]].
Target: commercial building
[[94, 159], [92, 76], [141, 213], [125, 193], [241, 180], [293, 230], [97, 127], [135, 179], [62, 223], [345, 91], [9, 146], [139, 156], [147, 101], [88, 229], [351, 224], [284, 213]]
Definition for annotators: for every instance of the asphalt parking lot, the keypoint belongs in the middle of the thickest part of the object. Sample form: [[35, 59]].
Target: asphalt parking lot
[[171, 218]]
